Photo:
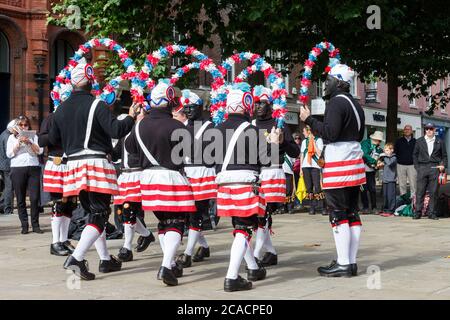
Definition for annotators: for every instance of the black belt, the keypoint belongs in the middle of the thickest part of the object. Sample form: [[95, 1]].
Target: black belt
[[87, 156], [63, 160], [131, 169]]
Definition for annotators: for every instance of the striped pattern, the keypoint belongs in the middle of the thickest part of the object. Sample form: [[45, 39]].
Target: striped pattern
[[203, 182], [273, 185], [166, 190], [53, 179], [129, 188], [238, 200], [344, 166], [92, 175]]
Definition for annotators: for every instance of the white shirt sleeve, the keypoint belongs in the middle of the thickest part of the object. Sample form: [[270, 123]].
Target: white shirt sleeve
[[319, 144], [303, 146], [12, 141], [36, 141]]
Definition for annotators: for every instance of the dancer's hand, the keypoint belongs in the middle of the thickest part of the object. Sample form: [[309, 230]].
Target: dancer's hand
[[304, 113]]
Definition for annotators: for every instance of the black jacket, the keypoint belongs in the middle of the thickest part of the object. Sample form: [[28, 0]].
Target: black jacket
[[252, 157], [43, 140], [198, 146], [438, 156], [288, 146], [70, 123], [404, 150], [119, 152], [156, 131], [5, 162], [339, 123]]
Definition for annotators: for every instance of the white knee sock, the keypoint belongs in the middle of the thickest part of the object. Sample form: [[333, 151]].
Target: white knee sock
[[129, 229], [202, 241], [237, 253], [250, 258], [161, 241], [143, 231], [64, 229], [172, 241], [259, 243], [342, 241], [87, 239], [102, 248], [193, 237], [56, 228], [268, 243], [355, 233]]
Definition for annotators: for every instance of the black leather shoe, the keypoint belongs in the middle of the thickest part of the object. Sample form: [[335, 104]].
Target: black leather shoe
[[168, 277], [38, 230], [177, 270], [184, 260], [255, 275], [417, 216], [354, 269], [239, 284], [335, 270], [80, 268], [24, 231], [269, 259], [144, 242], [111, 265], [160, 272], [201, 254], [312, 211], [125, 255], [433, 217], [68, 246], [58, 249]]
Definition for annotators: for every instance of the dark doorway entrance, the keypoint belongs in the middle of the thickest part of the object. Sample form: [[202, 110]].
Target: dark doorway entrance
[[5, 77]]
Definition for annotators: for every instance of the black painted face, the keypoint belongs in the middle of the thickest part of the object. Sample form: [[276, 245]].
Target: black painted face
[[331, 85], [193, 111], [263, 109]]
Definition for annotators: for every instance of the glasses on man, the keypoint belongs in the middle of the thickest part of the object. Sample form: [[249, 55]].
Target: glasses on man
[[297, 138], [429, 129]]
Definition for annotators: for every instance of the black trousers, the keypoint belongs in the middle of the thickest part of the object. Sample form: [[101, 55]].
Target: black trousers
[[27, 179], [389, 195], [427, 180], [369, 187], [245, 225], [97, 205], [6, 200], [342, 199], [196, 218], [171, 221], [313, 187]]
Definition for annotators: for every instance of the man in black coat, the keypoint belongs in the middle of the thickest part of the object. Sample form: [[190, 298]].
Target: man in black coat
[[430, 159], [5, 171]]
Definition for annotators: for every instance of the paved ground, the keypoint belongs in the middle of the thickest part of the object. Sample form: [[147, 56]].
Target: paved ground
[[411, 256]]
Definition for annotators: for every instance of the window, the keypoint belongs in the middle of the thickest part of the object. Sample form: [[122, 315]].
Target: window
[[276, 56], [175, 61], [319, 89], [430, 97], [412, 103], [231, 74], [62, 51], [354, 86], [4, 53]]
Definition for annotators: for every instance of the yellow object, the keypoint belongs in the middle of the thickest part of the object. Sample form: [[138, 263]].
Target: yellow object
[[301, 189]]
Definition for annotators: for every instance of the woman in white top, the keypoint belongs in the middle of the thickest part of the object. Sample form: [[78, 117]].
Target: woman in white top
[[310, 151], [23, 150]]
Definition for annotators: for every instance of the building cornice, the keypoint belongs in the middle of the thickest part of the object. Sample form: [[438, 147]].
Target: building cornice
[[21, 13]]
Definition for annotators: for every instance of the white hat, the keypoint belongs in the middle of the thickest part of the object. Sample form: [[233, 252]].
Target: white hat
[[188, 97], [82, 74], [377, 135], [239, 98], [11, 124], [261, 93], [162, 93], [342, 72]]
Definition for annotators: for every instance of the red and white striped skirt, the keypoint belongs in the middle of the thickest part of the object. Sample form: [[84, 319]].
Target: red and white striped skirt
[[93, 175], [53, 179], [129, 188], [166, 190], [273, 184], [203, 182], [344, 165]]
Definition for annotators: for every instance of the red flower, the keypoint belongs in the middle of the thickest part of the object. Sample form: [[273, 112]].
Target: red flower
[[326, 44], [153, 61], [254, 57], [222, 70], [59, 79], [306, 82], [236, 57], [317, 50], [189, 50], [327, 69], [309, 63], [268, 72], [334, 53], [67, 80], [170, 50], [173, 80], [142, 75], [112, 43], [109, 88], [205, 63], [304, 99], [97, 42], [73, 63]]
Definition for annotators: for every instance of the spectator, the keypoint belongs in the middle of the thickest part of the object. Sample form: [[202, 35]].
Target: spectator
[[6, 201], [297, 168], [25, 172], [310, 152], [371, 149], [404, 148], [430, 158], [388, 161]]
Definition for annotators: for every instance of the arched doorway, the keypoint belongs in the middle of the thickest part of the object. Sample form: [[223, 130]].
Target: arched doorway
[[61, 52], [5, 77]]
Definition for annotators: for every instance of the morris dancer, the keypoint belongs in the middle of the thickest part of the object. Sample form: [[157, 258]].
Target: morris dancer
[[343, 173], [238, 193], [164, 190], [129, 201], [273, 179], [201, 178], [53, 182], [84, 126]]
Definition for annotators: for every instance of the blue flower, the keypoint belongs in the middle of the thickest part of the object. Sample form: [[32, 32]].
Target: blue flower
[[312, 57], [117, 47], [163, 51], [182, 49], [128, 62]]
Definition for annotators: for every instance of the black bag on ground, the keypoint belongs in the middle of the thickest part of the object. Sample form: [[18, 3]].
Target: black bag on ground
[[443, 206]]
